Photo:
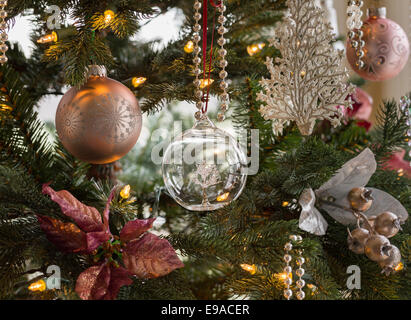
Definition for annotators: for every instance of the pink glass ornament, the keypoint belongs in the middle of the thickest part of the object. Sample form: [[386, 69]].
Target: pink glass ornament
[[386, 48], [362, 107]]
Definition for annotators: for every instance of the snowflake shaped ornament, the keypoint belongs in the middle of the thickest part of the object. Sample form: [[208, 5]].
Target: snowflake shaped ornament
[[308, 82]]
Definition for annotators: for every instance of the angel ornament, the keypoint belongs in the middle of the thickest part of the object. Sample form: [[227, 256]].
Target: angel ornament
[[376, 214]]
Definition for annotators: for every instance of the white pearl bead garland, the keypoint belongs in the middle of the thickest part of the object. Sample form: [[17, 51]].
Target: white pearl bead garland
[[197, 60], [288, 293], [224, 97], [223, 63], [354, 25], [405, 104], [300, 283], [3, 34], [300, 272]]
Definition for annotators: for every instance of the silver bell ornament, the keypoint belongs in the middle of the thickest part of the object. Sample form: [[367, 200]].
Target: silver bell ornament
[[392, 261], [387, 224], [346, 198], [377, 248], [357, 239], [205, 168], [333, 197], [360, 199]]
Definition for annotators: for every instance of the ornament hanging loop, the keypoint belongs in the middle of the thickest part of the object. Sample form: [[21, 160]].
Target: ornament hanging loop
[[218, 5]]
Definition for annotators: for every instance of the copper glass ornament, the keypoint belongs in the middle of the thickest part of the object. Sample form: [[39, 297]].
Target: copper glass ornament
[[386, 48], [101, 121]]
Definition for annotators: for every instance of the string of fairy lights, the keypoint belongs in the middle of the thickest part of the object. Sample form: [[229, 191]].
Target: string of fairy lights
[[109, 15]]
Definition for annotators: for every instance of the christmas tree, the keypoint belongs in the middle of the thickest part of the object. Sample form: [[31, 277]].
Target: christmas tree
[[54, 207]]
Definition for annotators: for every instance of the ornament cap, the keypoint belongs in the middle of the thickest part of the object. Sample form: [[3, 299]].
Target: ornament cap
[[96, 71], [375, 13], [203, 123]]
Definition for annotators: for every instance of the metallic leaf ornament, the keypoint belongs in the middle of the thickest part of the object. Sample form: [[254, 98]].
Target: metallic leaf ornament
[[333, 197], [100, 122], [309, 80], [386, 48]]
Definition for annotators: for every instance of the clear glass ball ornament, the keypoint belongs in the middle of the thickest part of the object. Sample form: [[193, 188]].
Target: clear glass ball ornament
[[204, 168]]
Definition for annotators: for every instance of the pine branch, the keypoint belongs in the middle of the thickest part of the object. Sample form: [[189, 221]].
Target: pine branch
[[390, 134]]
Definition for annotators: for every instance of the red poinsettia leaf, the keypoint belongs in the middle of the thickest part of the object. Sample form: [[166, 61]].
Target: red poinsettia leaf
[[100, 287], [88, 280], [107, 208], [87, 218], [95, 239], [66, 236], [134, 229], [102, 282], [119, 277], [150, 257]]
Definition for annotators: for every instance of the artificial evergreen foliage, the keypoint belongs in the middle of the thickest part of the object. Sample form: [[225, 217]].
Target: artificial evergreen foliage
[[213, 245]]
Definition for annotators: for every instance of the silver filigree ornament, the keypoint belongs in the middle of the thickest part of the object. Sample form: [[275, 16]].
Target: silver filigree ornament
[[332, 197], [309, 81]]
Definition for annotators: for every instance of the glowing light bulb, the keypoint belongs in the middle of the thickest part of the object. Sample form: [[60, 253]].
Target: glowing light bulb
[[283, 276], [137, 81], [5, 107], [52, 37], [223, 197], [399, 267], [285, 203], [125, 192], [206, 83], [189, 47], [255, 48], [252, 269], [38, 286], [108, 16], [313, 288]]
